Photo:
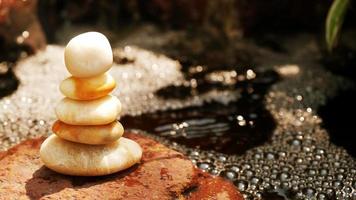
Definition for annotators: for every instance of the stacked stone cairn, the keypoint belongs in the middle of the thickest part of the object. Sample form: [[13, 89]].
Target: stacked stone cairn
[[87, 139]]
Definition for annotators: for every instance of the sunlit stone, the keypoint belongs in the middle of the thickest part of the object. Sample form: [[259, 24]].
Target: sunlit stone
[[99, 134], [94, 112], [87, 88], [88, 54], [89, 160]]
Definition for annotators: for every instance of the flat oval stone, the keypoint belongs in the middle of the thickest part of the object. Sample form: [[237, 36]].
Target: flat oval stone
[[88, 54], [94, 112], [87, 88], [89, 160], [95, 135]]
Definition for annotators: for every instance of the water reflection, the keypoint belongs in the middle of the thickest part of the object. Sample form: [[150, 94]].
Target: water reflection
[[232, 128]]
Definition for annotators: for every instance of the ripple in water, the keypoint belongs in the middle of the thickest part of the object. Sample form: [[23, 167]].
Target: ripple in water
[[232, 128]]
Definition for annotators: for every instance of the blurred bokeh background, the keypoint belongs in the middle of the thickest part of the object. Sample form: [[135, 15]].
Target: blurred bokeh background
[[223, 19]]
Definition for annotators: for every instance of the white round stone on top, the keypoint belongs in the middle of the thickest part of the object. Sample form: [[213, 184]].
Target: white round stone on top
[[88, 54]]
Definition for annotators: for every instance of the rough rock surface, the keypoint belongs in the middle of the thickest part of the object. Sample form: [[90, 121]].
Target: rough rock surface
[[162, 174]]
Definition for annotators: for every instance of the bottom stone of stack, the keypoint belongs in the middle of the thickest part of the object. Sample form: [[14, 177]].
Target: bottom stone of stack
[[89, 160], [89, 134]]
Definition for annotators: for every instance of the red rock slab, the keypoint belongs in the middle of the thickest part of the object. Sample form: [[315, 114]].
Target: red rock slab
[[162, 174]]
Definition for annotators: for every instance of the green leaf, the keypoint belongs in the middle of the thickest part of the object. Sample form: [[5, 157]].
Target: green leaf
[[334, 22]]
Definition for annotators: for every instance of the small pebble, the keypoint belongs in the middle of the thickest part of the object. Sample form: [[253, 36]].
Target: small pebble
[[99, 134], [88, 54], [87, 88], [95, 112]]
